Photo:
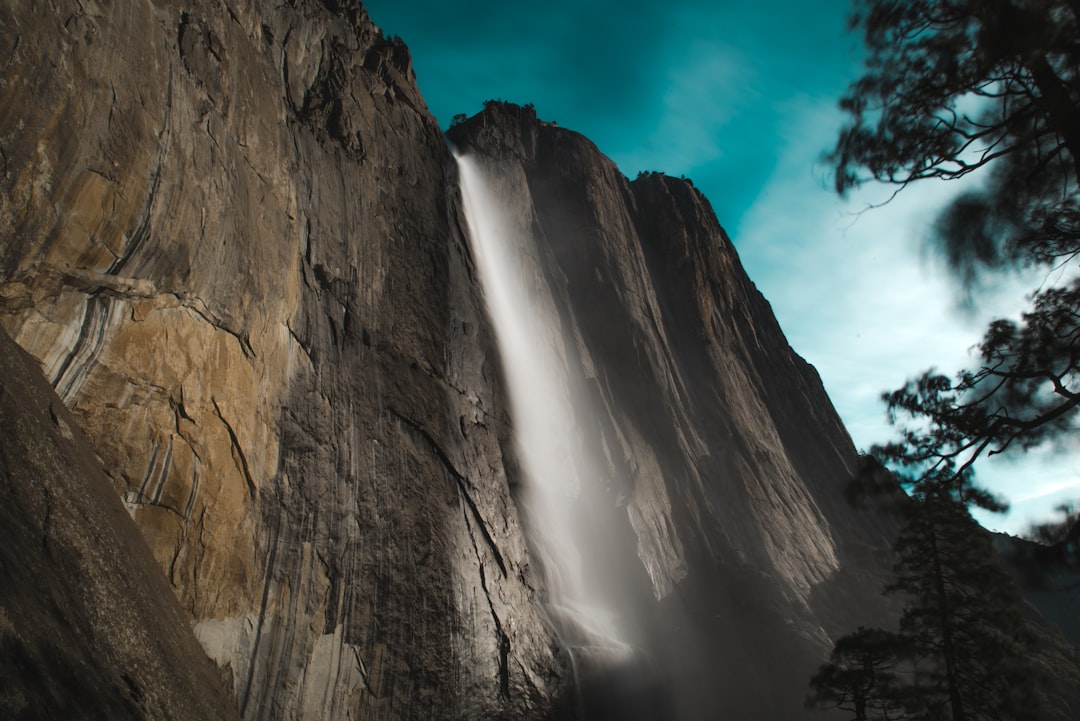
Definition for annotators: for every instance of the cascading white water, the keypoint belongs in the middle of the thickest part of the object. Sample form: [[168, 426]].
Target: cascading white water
[[553, 459]]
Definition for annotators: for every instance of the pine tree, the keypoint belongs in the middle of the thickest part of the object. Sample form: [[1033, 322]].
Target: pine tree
[[969, 642], [861, 676], [963, 649], [952, 87]]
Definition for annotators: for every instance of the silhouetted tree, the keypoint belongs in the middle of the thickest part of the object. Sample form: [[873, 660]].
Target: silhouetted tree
[[1024, 393], [861, 676], [1058, 530], [971, 645], [952, 87], [963, 649], [1060, 536]]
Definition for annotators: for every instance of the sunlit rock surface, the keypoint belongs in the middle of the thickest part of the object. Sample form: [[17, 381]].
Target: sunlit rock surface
[[725, 461], [89, 628], [232, 236], [228, 231]]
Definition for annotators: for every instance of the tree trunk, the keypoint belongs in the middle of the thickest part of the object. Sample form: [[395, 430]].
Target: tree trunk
[[862, 693], [1061, 112], [1017, 32], [948, 649], [1075, 5]]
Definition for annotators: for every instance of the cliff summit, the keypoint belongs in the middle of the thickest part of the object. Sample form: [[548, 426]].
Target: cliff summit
[[234, 241]]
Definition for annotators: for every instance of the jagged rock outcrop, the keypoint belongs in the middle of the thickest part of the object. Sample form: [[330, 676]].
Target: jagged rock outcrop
[[722, 439], [231, 234], [89, 629]]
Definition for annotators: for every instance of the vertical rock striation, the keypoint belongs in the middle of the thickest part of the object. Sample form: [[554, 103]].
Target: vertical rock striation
[[721, 440], [230, 233], [229, 236], [89, 629]]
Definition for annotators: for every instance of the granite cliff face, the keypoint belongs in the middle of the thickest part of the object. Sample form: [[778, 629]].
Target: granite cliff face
[[89, 628], [721, 440], [230, 239], [232, 236]]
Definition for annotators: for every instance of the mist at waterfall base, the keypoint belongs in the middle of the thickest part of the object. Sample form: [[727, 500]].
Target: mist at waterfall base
[[571, 507]]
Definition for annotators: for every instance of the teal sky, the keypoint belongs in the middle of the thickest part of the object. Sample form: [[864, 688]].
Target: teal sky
[[689, 87], [741, 98]]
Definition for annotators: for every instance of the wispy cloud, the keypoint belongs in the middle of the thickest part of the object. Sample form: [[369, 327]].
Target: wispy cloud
[[1071, 484], [1034, 486], [706, 86], [742, 98], [857, 294]]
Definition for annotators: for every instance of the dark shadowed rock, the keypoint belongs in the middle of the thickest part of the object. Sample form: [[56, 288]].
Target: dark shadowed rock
[[231, 234], [89, 628], [722, 439]]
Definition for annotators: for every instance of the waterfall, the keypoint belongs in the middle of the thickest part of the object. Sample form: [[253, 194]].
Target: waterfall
[[576, 526], [553, 459], [571, 519]]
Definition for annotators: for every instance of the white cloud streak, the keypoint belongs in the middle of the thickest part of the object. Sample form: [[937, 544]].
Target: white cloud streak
[[707, 85], [858, 299]]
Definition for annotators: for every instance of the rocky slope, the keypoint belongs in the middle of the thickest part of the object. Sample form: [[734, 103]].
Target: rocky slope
[[229, 237], [88, 626], [721, 439], [231, 234]]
